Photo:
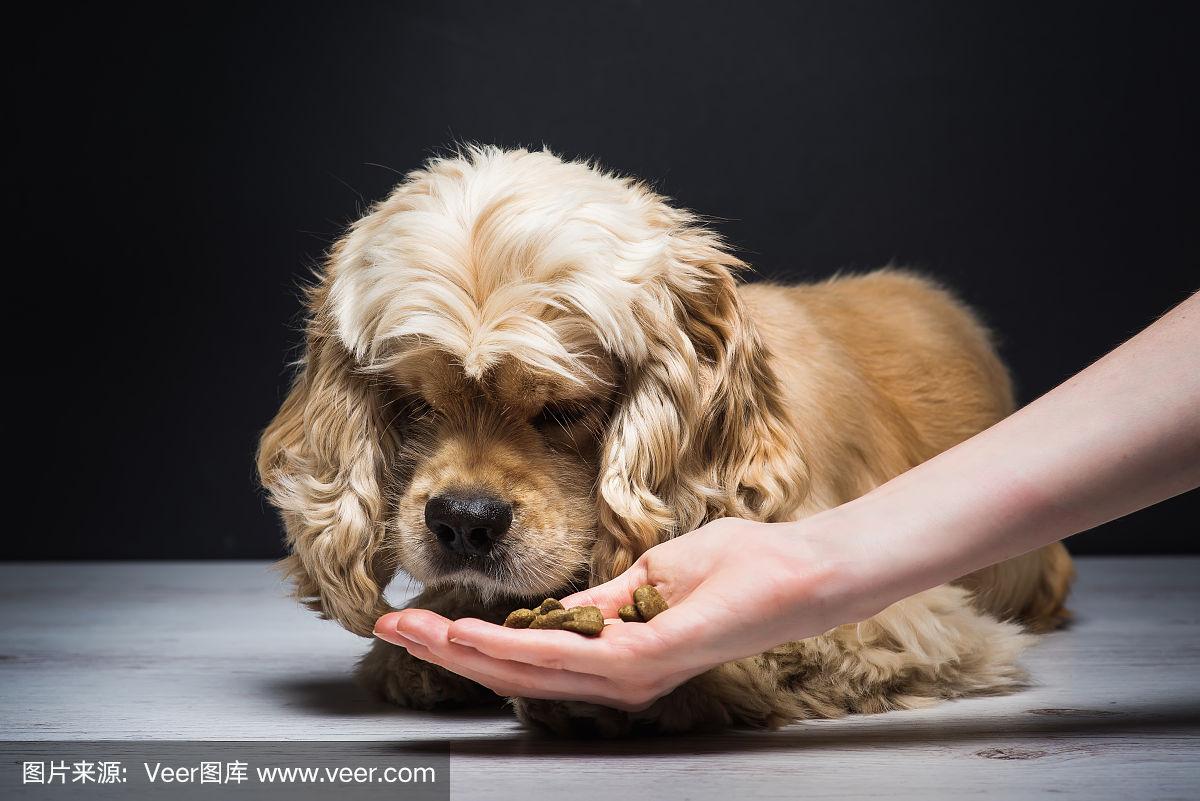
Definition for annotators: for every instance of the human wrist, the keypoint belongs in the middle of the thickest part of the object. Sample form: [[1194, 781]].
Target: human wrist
[[835, 572], [870, 569], [933, 525], [864, 555]]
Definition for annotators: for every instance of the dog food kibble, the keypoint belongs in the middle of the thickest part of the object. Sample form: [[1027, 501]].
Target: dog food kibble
[[586, 620], [648, 602], [520, 618], [629, 614], [539, 618], [552, 619], [548, 605]]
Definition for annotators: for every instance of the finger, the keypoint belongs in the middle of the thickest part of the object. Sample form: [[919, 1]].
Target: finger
[[386, 630], [412, 625], [611, 595], [621, 651], [524, 679], [511, 680], [549, 650], [418, 623], [491, 682], [517, 678], [611, 654], [425, 632]]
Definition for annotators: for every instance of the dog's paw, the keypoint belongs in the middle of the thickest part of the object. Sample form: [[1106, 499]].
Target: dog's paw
[[389, 672], [573, 718]]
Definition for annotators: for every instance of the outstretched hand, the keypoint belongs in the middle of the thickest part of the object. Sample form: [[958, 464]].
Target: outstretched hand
[[734, 587]]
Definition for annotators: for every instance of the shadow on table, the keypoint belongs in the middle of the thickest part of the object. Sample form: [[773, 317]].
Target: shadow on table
[[879, 731], [341, 695]]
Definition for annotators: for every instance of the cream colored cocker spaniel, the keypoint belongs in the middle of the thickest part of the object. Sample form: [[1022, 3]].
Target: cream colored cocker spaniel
[[523, 372]]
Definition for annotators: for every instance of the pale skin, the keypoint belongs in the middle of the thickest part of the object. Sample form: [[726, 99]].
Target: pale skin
[[1119, 436]]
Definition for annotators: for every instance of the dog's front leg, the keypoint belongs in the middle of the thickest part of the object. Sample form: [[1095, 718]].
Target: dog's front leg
[[392, 674]]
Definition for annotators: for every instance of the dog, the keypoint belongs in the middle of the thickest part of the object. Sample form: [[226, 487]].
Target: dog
[[521, 372]]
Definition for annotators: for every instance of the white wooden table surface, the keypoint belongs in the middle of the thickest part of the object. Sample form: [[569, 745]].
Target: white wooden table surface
[[215, 650]]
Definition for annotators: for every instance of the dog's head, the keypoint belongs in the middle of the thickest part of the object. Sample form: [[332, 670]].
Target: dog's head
[[520, 372]]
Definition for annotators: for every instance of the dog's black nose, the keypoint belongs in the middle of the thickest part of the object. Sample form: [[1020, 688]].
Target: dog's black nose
[[467, 523]]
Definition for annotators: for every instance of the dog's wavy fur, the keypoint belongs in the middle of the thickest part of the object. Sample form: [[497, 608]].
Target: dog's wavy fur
[[564, 338]]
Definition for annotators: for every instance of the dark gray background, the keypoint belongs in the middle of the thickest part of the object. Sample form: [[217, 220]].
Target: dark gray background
[[178, 170]]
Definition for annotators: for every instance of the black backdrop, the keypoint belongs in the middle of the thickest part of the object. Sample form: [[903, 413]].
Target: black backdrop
[[178, 170]]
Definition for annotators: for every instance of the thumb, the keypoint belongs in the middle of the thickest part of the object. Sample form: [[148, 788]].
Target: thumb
[[611, 595]]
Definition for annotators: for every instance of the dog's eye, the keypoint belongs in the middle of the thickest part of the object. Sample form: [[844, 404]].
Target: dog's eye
[[561, 414]]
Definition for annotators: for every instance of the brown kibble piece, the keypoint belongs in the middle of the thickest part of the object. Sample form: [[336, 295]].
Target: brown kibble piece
[[553, 619], [629, 614], [519, 618], [648, 602], [587, 620], [548, 605]]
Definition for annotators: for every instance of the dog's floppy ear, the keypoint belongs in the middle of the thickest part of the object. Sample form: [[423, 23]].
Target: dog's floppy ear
[[703, 431], [322, 460]]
